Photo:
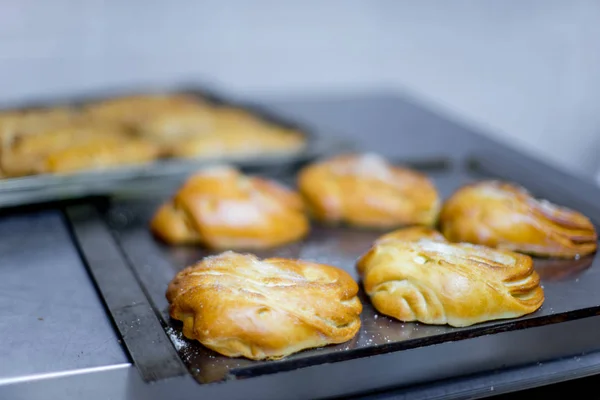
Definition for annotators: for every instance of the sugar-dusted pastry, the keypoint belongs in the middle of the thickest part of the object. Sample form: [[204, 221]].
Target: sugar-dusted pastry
[[438, 283], [240, 305], [223, 208], [365, 190], [412, 234], [506, 216]]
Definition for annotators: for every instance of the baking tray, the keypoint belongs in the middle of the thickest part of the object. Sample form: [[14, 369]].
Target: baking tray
[[570, 285], [51, 187]]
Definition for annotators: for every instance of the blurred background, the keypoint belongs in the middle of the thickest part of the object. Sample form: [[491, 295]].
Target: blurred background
[[523, 71]]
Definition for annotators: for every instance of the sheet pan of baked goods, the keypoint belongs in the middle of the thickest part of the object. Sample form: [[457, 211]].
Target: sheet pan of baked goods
[[348, 256], [99, 145]]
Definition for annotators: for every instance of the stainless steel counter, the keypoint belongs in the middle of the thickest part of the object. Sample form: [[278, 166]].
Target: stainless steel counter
[[51, 319], [57, 340]]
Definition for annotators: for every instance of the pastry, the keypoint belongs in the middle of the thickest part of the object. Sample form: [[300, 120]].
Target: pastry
[[24, 122], [506, 216], [149, 126], [160, 117], [240, 305], [365, 190], [412, 234], [436, 282], [236, 133], [222, 208], [177, 124], [74, 148], [262, 141], [102, 155], [129, 109]]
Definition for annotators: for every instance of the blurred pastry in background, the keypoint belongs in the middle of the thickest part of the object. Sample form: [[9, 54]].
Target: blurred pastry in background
[[240, 305], [186, 127], [240, 143], [222, 208], [159, 117], [237, 133], [436, 282], [102, 155], [74, 148], [149, 126], [31, 121], [506, 216], [366, 190]]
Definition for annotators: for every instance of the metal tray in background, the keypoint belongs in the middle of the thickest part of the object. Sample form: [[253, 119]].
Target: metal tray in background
[[53, 187], [570, 288]]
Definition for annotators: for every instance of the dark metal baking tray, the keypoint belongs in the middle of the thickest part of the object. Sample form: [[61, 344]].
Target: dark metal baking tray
[[51, 187], [570, 286]]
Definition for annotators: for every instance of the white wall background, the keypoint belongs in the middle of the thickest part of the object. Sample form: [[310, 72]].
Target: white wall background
[[526, 70]]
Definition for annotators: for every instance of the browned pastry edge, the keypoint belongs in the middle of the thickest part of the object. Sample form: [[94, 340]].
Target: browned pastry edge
[[436, 282], [478, 213], [239, 305], [221, 208], [366, 191]]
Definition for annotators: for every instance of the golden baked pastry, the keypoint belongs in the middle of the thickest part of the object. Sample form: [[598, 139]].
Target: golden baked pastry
[[160, 117], [128, 109], [101, 155], [150, 126], [239, 144], [222, 208], [236, 133], [74, 148], [412, 234], [506, 216], [23, 122], [365, 190], [437, 282], [239, 305]]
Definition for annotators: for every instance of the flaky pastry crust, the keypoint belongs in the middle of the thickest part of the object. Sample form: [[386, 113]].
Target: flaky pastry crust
[[365, 190], [436, 282], [222, 208], [239, 305], [504, 215]]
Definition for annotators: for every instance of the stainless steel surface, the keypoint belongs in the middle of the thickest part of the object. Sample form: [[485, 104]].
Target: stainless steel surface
[[146, 341], [122, 382], [54, 285], [51, 319]]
